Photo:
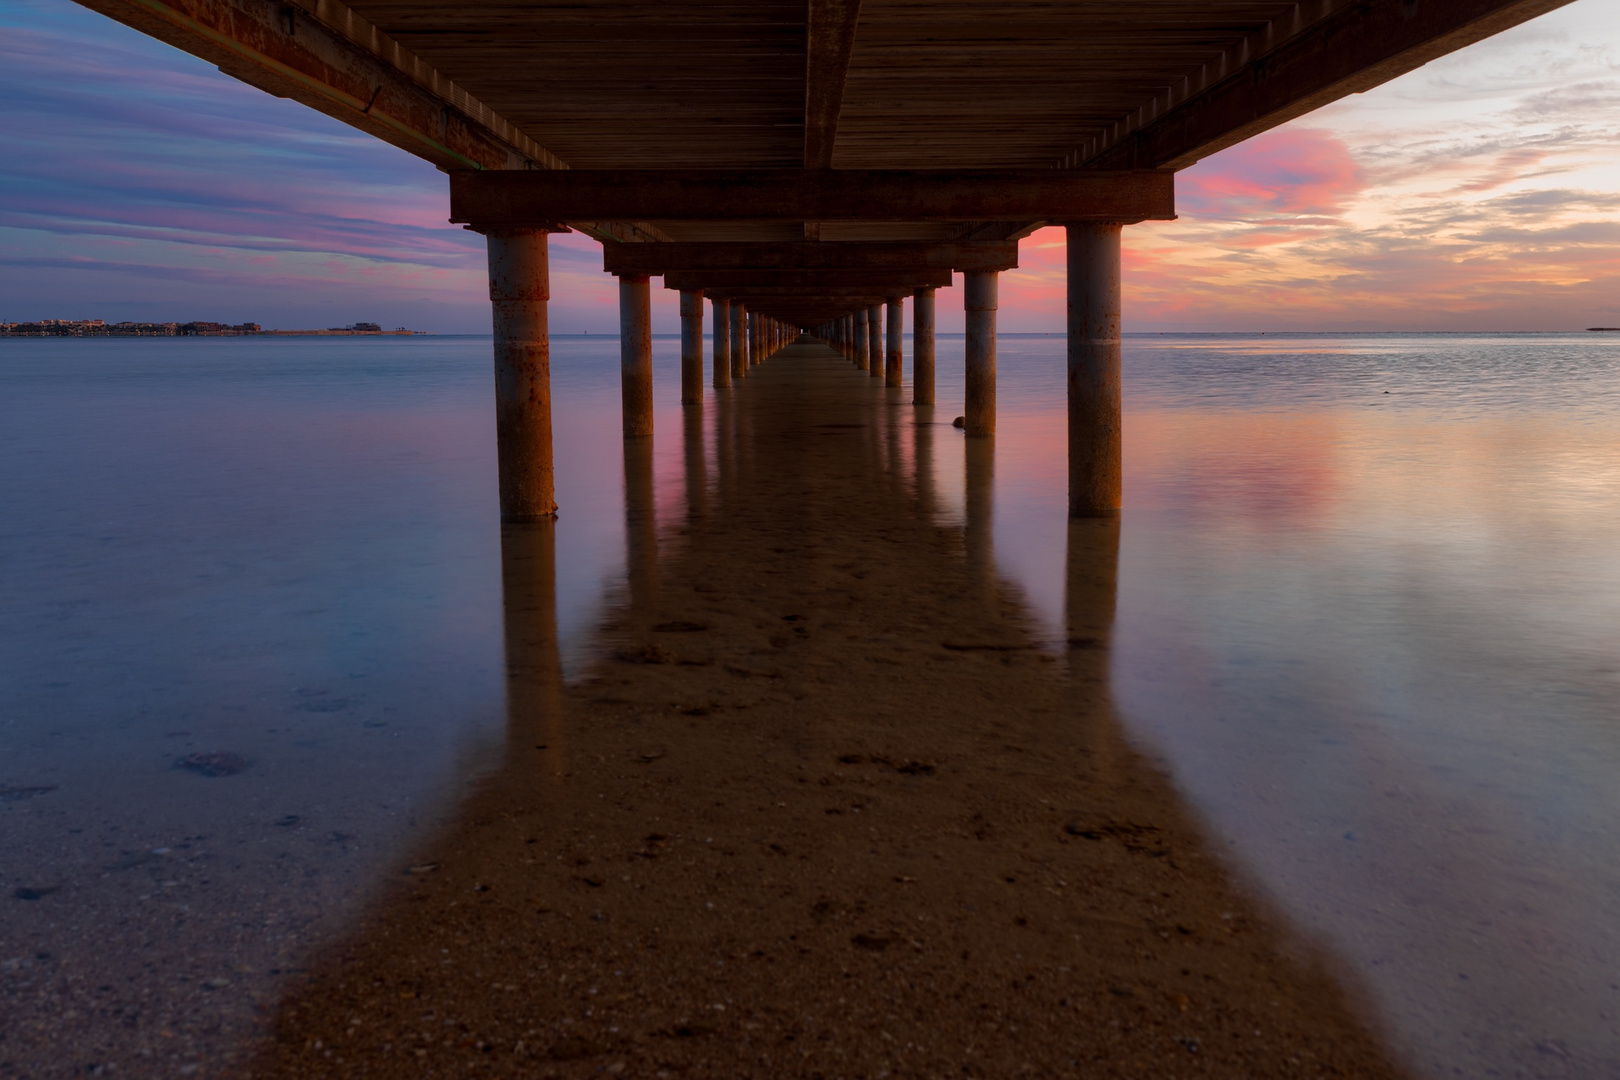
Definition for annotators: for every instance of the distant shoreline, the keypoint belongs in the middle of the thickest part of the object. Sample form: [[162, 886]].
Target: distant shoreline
[[80, 328]]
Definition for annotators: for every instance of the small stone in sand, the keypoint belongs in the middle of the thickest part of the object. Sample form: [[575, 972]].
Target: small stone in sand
[[214, 764]]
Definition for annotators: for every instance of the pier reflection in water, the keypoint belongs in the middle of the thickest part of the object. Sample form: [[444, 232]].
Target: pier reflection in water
[[1321, 601], [828, 803]]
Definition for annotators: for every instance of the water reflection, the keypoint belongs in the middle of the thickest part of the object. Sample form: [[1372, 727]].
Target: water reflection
[[826, 806], [534, 672], [1372, 635], [640, 522]]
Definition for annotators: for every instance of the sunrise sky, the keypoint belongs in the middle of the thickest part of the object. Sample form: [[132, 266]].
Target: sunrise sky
[[1481, 192]]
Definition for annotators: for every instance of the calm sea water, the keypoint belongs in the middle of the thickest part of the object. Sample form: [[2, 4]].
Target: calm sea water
[[1369, 618]]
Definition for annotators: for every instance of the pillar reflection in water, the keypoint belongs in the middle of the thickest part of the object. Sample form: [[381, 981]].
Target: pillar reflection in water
[[1090, 596], [725, 457], [922, 456], [978, 505], [533, 656], [693, 459], [640, 522]]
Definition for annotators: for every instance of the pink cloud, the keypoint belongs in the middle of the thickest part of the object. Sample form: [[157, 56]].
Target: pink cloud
[[1291, 173]]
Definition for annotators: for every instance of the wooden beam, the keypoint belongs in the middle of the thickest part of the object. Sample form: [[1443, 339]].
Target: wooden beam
[[843, 293], [323, 55], [903, 281], [829, 39], [1320, 52], [519, 198], [656, 259]]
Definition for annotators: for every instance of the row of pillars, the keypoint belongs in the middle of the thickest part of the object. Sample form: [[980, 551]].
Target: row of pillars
[[519, 285], [742, 339], [862, 338]]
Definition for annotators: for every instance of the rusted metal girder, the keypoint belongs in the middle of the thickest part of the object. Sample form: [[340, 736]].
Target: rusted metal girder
[[514, 198], [656, 259], [1319, 52], [808, 280]]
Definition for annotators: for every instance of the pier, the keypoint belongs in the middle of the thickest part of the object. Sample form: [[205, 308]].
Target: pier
[[806, 166], [827, 798]]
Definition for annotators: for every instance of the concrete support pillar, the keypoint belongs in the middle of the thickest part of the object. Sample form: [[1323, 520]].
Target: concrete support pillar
[[922, 347], [519, 286], [739, 340], [858, 322], [874, 341], [979, 412], [893, 359], [691, 346], [722, 343], [1096, 480], [635, 356]]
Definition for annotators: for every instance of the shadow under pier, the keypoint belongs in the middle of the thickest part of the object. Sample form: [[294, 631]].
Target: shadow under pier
[[826, 810]]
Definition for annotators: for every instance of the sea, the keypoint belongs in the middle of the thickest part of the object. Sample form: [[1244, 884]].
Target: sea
[[1368, 620]]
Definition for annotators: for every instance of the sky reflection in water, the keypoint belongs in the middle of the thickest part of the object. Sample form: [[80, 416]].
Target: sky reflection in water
[[1373, 635]]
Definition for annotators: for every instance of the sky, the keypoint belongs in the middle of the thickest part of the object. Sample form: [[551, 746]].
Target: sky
[[1481, 192]]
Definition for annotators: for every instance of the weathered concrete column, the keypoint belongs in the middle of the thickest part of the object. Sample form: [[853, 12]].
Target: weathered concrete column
[[979, 413], [894, 358], [858, 322], [635, 356], [722, 343], [1096, 474], [922, 347], [691, 346], [739, 340], [874, 340], [519, 286]]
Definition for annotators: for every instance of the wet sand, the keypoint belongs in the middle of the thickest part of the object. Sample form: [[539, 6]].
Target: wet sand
[[827, 807]]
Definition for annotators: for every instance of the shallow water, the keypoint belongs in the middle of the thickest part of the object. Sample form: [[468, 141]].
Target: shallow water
[[1366, 616]]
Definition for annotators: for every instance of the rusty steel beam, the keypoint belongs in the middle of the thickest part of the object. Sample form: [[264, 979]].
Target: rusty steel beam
[[323, 55], [829, 35], [808, 279], [1319, 52], [655, 259], [515, 198]]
